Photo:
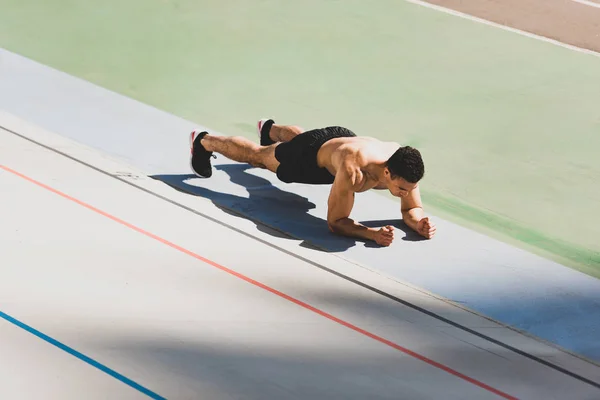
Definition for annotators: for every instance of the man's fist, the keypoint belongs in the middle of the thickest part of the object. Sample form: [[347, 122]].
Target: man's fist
[[426, 228], [384, 236]]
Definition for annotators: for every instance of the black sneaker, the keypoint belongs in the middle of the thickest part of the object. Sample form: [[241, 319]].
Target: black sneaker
[[264, 126], [200, 157]]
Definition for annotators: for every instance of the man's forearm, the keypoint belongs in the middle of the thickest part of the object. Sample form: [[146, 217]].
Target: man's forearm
[[348, 227], [412, 217]]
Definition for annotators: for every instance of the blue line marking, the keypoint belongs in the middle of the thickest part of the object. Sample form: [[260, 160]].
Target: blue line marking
[[82, 357]]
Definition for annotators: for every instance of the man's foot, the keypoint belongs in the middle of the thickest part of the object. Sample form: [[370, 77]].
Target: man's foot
[[264, 127], [200, 157]]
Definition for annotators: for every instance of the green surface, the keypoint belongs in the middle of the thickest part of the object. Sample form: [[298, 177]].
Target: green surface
[[509, 126]]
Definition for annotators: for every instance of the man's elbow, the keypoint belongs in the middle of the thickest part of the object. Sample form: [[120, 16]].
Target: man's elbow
[[408, 211]]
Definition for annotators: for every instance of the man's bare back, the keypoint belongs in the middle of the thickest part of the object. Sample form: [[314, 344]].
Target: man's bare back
[[332, 155], [356, 152]]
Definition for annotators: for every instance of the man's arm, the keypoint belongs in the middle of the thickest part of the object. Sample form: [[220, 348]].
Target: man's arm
[[414, 216], [340, 203]]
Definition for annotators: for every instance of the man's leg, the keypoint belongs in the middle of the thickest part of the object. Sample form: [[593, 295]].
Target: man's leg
[[240, 149], [269, 132], [284, 133]]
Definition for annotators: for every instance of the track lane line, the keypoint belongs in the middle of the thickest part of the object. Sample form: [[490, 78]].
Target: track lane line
[[588, 3], [331, 271], [82, 357], [267, 288], [530, 35]]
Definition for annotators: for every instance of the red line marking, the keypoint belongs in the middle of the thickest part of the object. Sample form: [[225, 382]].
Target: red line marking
[[269, 289]]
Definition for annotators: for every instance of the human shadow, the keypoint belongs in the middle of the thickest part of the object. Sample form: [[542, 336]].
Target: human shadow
[[274, 211]]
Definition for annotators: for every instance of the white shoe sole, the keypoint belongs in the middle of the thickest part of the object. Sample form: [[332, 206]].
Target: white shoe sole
[[259, 126]]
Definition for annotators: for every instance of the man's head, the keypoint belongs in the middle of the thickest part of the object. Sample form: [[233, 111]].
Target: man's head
[[403, 171]]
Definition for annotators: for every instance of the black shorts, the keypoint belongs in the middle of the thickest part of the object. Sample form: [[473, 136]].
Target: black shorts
[[298, 157]]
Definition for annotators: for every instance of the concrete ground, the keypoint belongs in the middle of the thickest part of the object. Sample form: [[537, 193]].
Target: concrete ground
[[124, 276], [134, 293]]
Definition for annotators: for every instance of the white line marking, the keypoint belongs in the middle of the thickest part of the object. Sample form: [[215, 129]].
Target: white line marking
[[588, 3], [507, 28]]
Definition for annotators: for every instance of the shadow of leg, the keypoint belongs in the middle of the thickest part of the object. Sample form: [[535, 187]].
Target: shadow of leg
[[274, 211]]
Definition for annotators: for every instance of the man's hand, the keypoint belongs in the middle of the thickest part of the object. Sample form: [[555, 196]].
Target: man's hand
[[384, 236], [414, 216], [426, 228]]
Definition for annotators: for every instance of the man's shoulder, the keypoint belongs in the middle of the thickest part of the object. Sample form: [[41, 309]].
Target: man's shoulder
[[374, 151], [350, 174]]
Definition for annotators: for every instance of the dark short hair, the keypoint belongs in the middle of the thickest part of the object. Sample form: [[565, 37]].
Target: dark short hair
[[406, 163]]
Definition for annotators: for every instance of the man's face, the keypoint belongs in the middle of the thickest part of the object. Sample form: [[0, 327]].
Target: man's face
[[400, 187]]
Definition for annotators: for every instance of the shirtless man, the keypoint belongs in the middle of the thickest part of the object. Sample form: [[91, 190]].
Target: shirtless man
[[332, 155]]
